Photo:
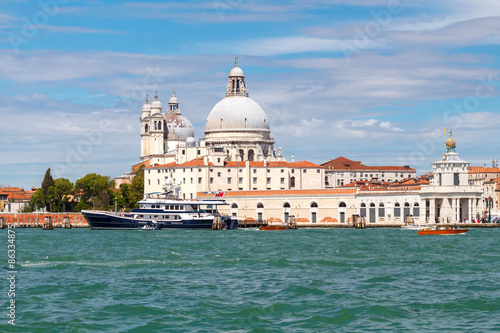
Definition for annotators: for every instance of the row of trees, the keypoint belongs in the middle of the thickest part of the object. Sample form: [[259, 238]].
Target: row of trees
[[90, 192]]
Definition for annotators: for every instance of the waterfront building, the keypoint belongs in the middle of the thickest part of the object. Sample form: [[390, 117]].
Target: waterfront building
[[13, 199], [342, 171]]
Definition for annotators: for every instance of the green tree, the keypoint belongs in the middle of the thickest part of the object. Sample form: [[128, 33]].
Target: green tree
[[48, 194], [37, 200], [94, 191], [136, 188], [63, 189]]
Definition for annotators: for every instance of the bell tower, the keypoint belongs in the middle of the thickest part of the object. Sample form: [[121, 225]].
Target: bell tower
[[145, 134]]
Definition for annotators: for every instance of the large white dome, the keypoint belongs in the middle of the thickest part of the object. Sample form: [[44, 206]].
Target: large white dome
[[237, 113]]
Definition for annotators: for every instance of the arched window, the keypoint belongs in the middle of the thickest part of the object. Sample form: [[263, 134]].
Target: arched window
[[159, 125], [372, 205], [146, 128], [362, 210], [242, 154], [342, 204], [292, 182], [234, 206], [416, 209], [250, 155], [260, 205], [314, 205], [407, 209], [381, 210], [286, 205], [397, 210]]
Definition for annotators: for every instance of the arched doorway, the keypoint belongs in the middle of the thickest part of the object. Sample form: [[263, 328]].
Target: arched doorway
[[314, 212], [260, 211], [286, 212], [342, 208], [372, 213], [234, 209]]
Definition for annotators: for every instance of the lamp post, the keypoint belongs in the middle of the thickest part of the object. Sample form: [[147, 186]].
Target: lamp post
[[116, 205]]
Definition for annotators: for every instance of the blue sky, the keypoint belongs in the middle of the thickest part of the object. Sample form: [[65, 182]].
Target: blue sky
[[375, 81]]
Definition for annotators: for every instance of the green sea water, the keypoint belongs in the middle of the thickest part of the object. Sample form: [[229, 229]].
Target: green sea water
[[306, 280]]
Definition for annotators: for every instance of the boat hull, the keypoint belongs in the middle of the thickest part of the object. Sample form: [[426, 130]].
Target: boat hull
[[105, 220], [442, 232], [274, 227]]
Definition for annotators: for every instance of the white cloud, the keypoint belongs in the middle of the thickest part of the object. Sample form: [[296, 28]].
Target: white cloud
[[79, 30]]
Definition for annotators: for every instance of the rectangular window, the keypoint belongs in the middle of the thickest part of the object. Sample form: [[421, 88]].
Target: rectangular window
[[229, 180], [199, 180], [228, 170], [191, 180], [456, 179], [218, 174], [158, 170], [293, 170], [149, 181], [183, 152], [305, 170], [255, 180], [268, 181], [211, 180], [240, 180], [158, 182], [184, 180], [318, 171], [282, 181], [268, 170], [282, 170], [241, 170], [254, 170]]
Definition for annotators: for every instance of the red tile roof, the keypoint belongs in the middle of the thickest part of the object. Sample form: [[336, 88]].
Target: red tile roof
[[136, 166], [483, 170], [342, 163]]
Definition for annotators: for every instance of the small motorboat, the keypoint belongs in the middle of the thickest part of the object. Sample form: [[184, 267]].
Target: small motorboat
[[446, 230], [291, 224], [275, 227]]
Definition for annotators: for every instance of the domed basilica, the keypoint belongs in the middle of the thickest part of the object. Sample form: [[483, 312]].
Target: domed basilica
[[237, 129]]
